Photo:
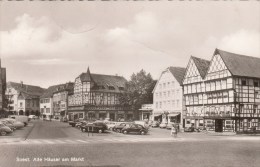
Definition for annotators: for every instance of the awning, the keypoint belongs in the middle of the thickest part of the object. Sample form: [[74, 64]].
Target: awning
[[173, 114], [157, 114]]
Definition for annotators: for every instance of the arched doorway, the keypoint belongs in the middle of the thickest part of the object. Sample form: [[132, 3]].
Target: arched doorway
[[21, 112]]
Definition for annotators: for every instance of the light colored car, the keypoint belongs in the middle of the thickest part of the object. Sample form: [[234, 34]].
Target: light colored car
[[7, 123], [110, 125], [163, 125], [4, 130], [22, 118], [32, 117], [155, 124], [16, 124]]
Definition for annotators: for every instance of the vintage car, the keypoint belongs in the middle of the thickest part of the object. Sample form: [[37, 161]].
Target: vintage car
[[99, 127], [135, 128], [4, 130], [118, 128]]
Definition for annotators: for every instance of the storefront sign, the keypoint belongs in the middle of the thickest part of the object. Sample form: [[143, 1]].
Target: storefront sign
[[76, 108]]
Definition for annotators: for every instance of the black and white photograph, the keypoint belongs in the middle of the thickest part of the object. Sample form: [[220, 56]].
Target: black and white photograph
[[129, 83]]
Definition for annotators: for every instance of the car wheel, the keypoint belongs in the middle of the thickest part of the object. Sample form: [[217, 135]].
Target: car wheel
[[100, 131], [142, 133], [118, 130], [3, 133], [125, 132]]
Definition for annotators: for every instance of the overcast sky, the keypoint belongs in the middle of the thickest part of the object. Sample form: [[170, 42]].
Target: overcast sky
[[48, 43]]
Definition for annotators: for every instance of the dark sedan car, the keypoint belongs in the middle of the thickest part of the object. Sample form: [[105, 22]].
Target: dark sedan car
[[135, 128], [99, 127], [118, 128]]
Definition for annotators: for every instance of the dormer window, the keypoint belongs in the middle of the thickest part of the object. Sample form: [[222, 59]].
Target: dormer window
[[111, 87]]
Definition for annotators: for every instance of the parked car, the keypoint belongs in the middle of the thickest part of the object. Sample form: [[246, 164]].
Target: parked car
[[16, 124], [4, 130], [155, 124], [163, 125], [99, 127], [32, 117], [111, 125], [189, 129], [78, 124], [9, 124], [143, 123], [22, 118], [135, 128], [169, 125], [118, 128]]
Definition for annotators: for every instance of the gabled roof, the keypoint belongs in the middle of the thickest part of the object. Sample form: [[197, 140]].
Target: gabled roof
[[27, 89], [202, 65], [178, 73], [86, 77], [240, 65], [49, 92], [69, 87], [28, 96], [103, 82]]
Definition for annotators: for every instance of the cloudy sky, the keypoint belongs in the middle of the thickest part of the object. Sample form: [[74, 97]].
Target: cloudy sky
[[48, 43]]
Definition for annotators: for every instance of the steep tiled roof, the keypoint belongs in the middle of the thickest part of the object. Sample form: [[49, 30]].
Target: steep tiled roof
[[178, 73], [202, 65], [49, 92], [86, 77], [103, 82], [27, 89], [65, 87], [240, 65]]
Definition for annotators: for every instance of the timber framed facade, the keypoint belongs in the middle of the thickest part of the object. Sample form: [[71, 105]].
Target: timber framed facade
[[223, 94], [96, 97]]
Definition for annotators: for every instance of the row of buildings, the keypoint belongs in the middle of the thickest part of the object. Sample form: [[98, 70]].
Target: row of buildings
[[221, 94]]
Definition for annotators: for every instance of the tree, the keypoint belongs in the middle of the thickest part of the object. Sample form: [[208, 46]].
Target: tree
[[138, 91]]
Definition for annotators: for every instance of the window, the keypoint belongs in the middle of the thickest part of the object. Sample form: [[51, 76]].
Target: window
[[21, 104], [243, 82], [256, 84], [169, 93]]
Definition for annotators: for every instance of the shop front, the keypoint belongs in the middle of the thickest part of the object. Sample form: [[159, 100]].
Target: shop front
[[174, 117], [146, 112], [157, 117]]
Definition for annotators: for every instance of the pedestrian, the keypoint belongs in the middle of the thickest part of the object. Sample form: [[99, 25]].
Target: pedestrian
[[173, 131]]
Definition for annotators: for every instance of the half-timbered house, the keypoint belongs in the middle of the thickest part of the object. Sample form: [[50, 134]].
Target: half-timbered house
[[229, 96], [96, 96], [193, 91]]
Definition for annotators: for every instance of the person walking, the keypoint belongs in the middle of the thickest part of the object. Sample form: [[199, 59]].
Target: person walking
[[174, 131]]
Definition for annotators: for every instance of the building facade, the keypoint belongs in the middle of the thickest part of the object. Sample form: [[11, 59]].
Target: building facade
[[23, 99], [96, 96], [222, 95], [168, 96], [46, 102], [60, 100]]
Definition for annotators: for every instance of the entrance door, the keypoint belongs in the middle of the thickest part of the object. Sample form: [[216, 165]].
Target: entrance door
[[218, 125]]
